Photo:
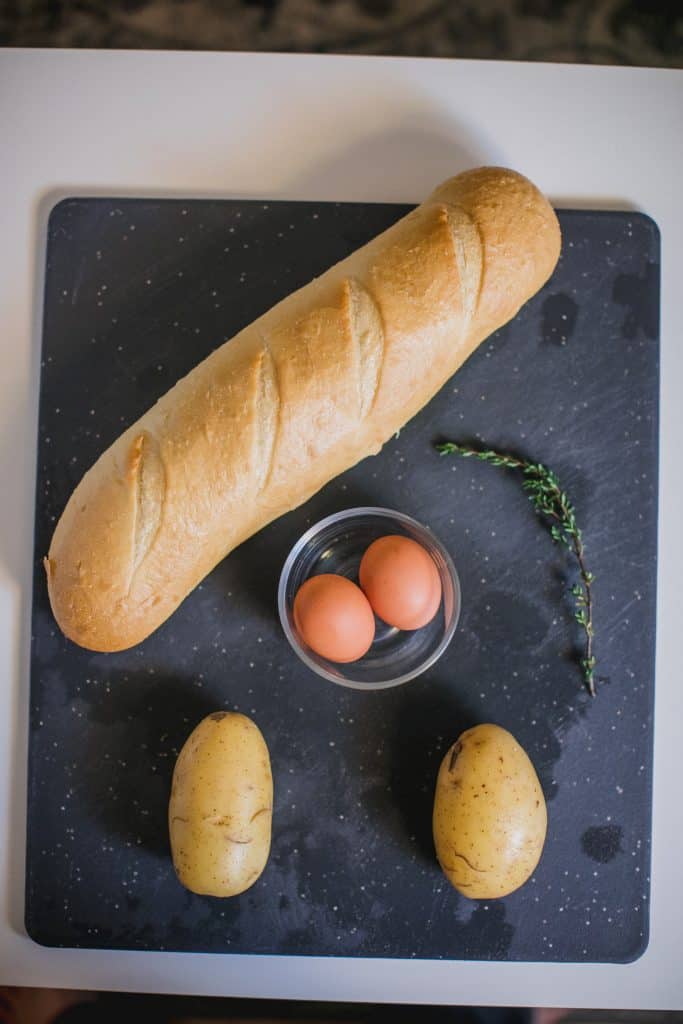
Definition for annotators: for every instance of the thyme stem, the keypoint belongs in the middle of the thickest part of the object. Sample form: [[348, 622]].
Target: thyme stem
[[552, 502]]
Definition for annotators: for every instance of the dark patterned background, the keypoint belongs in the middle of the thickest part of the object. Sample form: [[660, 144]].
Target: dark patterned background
[[644, 32]]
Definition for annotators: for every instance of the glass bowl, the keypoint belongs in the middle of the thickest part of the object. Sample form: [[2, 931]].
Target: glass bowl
[[336, 544]]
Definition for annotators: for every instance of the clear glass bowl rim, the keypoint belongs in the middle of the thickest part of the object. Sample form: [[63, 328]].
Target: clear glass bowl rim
[[354, 513]]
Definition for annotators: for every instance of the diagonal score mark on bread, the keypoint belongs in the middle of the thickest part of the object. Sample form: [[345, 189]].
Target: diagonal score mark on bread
[[267, 416], [367, 330], [149, 478], [469, 256]]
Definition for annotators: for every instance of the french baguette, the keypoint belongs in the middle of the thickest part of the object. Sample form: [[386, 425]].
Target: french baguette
[[314, 385]]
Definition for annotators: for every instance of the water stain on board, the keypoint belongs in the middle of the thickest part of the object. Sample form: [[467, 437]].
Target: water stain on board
[[488, 934], [502, 614], [134, 734], [559, 316], [639, 294], [602, 843]]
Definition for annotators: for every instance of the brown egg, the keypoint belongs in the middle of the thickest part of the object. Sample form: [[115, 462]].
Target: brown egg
[[401, 582], [332, 615]]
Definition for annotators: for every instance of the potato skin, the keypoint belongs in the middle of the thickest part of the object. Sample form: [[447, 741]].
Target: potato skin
[[490, 816], [220, 811]]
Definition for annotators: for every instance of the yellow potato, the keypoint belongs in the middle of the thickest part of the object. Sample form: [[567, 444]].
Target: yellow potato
[[220, 811], [490, 816]]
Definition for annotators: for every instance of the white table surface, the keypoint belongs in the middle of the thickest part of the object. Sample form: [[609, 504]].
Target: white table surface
[[340, 128]]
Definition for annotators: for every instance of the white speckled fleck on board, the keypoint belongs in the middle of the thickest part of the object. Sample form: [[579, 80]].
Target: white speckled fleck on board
[[137, 291]]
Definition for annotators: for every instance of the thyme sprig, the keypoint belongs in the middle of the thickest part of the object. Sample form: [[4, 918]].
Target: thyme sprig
[[552, 502]]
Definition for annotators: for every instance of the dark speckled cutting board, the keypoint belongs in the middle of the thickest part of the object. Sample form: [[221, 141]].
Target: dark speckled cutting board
[[137, 292]]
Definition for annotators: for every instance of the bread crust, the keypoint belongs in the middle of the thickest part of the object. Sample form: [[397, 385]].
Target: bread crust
[[314, 385]]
